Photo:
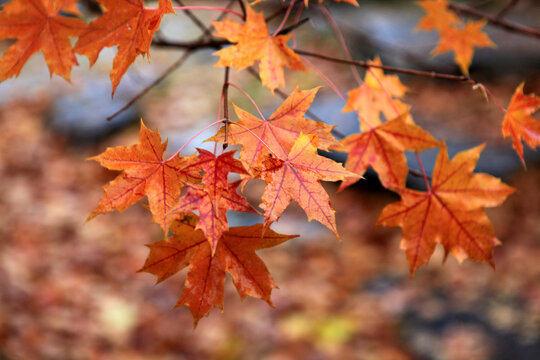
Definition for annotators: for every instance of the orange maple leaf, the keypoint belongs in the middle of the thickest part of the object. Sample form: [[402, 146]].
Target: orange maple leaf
[[235, 254], [450, 212], [437, 16], [297, 178], [37, 25], [126, 24], [454, 35], [279, 132], [145, 172], [519, 123], [382, 147], [254, 42], [215, 196], [462, 41], [378, 95]]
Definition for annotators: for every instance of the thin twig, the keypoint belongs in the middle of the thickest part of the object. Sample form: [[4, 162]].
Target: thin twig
[[506, 9], [494, 20], [225, 92], [342, 41], [284, 20], [418, 174], [243, 8], [367, 65], [206, 31], [288, 29], [154, 83]]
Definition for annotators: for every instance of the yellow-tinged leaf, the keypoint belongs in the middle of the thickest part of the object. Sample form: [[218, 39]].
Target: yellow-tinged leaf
[[377, 96], [437, 16], [463, 41], [254, 42]]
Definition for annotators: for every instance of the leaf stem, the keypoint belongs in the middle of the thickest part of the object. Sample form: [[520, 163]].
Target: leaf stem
[[209, 8], [250, 99], [339, 34], [225, 92], [194, 136], [154, 83], [367, 65], [284, 20]]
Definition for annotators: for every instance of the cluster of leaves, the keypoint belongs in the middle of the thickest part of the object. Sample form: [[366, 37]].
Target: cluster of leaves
[[280, 150]]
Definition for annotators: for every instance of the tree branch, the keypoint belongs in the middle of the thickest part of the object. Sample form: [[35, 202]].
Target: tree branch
[[366, 65], [495, 20]]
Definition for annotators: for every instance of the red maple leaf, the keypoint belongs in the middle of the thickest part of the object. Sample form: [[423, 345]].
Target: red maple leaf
[[215, 196], [519, 123], [235, 254]]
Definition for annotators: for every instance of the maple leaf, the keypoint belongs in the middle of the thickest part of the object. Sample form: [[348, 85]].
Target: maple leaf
[[254, 42], [450, 212], [519, 123], [382, 147], [377, 95], [437, 16], [37, 25], [297, 178], [279, 132], [215, 196], [454, 35], [145, 172], [235, 254], [462, 42], [126, 24]]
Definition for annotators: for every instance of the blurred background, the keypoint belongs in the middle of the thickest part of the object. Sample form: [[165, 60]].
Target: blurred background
[[70, 289]]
